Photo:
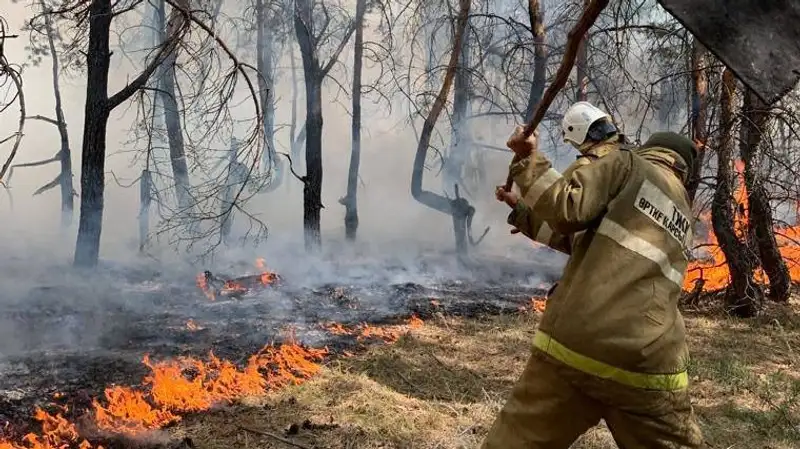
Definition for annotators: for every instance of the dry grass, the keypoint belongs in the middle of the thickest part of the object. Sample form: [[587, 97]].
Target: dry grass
[[441, 385]]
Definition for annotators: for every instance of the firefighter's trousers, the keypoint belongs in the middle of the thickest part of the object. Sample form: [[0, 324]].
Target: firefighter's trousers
[[553, 404]]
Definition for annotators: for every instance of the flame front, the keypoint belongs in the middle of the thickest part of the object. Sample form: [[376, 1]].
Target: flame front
[[188, 384], [713, 270]]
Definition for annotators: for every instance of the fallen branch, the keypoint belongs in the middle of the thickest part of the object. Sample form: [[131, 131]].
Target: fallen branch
[[273, 436], [574, 39]]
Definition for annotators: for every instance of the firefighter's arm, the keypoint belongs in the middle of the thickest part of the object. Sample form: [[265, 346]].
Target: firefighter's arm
[[536, 229], [570, 204]]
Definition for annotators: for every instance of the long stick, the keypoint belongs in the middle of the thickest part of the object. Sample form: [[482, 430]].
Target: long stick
[[574, 38]]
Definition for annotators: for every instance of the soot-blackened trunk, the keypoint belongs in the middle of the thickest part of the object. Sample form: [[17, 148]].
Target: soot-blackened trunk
[[536, 17], [699, 112], [744, 297], [93, 149], [65, 154], [172, 119], [755, 117], [313, 76], [350, 201]]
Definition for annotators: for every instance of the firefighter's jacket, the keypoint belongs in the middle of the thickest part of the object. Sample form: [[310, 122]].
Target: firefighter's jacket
[[537, 229], [615, 312]]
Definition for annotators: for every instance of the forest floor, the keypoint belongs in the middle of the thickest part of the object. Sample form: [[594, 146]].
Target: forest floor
[[440, 386]]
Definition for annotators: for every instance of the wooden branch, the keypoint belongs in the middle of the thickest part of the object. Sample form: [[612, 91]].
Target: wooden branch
[[574, 39], [170, 45], [273, 436], [17, 80], [335, 56], [50, 185], [43, 118]]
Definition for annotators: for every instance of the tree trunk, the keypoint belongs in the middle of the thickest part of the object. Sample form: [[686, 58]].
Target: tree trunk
[[350, 200], [172, 119], [744, 297], [460, 144], [312, 189], [145, 199], [582, 66], [65, 154], [699, 113], [459, 209], [93, 149], [536, 14], [755, 117], [266, 86], [237, 175]]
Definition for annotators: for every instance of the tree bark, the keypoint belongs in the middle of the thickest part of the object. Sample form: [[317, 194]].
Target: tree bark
[[699, 113], [266, 86], [459, 209], [350, 201], [65, 154], [145, 199], [97, 109], [172, 118], [582, 66], [744, 296], [93, 149], [460, 145], [755, 116], [536, 15], [314, 72]]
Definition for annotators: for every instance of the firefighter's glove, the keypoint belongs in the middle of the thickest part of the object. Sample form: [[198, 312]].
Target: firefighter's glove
[[521, 146]]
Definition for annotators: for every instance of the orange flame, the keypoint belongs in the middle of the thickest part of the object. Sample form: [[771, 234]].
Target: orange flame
[[192, 326], [203, 285], [57, 433], [188, 384], [713, 270]]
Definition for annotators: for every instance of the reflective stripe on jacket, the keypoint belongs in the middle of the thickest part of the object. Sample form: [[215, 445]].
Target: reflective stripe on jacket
[[615, 312]]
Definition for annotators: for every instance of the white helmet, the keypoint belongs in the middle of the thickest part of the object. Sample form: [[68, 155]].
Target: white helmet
[[577, 120]]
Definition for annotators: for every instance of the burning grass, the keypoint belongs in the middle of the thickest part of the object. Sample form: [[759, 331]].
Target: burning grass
[[185, 385], [441, 386]]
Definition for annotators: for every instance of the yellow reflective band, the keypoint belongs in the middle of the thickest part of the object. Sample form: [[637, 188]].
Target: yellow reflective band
[[664, 382]]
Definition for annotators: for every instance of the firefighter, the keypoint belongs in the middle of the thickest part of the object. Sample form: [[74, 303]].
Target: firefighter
[[593, 133], [611, 344]]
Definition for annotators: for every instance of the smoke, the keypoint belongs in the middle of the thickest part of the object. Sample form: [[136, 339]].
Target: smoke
[[47, 306]]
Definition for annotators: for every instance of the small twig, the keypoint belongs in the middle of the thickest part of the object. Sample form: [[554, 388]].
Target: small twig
[[273, 436]]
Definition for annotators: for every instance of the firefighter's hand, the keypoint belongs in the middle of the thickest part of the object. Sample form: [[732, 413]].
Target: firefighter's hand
[[521, 146], [510, 198]]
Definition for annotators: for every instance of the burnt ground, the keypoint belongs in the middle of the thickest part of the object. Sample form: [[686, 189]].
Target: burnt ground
[[77, 338]]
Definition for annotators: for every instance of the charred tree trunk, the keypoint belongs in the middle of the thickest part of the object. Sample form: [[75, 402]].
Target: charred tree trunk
[[145, 199], [266, 84], [65, 154], [93, 149], [536, 15], [314, 73], [172, 119], [350, 201], [755, 117], [98, 107], [699, 112], [744, 297]]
